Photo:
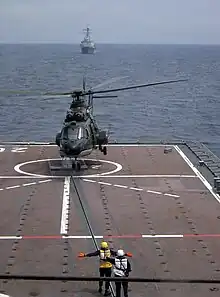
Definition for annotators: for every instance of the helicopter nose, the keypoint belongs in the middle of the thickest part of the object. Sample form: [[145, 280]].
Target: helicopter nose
[[76, 150]]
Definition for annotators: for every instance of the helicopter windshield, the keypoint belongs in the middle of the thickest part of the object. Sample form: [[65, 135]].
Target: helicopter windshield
[[75, 133]]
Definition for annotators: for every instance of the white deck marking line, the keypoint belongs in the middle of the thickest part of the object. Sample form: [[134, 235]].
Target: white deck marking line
[[33, 143], [13, 187], [131, 188], [136, 189], [95, 176], [4, 295], [26, 185], [196, 171], [89, 180], [25, 143], [29, 184], [128, 236], [65, 207], [10, 237], [103, 183], [154, 192], [44, 181], [84, 237], [139, 176], [171, 195], [18, 166], [120, 186]]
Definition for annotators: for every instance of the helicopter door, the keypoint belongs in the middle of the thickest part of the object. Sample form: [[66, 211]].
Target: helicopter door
[[87, 134], [92, 132]]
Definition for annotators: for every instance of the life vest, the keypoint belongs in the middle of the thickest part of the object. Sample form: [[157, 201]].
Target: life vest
[[120, 266], [103, 255]]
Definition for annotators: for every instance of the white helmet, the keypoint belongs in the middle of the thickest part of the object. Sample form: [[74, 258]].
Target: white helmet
[[120, 253]]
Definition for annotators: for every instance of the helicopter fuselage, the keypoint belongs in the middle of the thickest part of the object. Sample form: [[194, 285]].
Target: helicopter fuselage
[[80, 135]]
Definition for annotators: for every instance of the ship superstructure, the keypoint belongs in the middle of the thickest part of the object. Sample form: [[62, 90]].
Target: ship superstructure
[[87, 45]]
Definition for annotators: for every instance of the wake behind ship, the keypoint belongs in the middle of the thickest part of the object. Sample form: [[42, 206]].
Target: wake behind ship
[[87, 45]]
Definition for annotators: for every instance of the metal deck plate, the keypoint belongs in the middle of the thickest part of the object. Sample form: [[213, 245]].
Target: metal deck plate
[[151, 202]]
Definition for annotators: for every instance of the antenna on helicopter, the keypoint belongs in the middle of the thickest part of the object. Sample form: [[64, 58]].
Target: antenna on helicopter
[[84, 83]]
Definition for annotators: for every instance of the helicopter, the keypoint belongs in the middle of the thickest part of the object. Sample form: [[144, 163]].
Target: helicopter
[[80, 134]]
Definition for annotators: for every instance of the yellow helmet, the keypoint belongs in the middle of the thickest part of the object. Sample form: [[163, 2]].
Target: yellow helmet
[[104, 245]]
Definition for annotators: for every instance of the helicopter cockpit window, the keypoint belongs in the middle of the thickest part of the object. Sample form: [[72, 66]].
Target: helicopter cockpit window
[[82, 133], [73, 133], [76, 133]]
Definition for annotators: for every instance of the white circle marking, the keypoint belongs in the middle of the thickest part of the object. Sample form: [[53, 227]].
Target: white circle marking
[[18, 166]]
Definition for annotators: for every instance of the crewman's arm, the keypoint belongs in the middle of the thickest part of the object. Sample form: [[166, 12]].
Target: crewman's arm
[[111, 260], [113, 253], [128, 267], [96, 253]]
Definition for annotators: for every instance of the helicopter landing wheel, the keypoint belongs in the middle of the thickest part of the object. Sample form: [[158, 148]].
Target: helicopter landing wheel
[[77, 166], [105, 150], [100, 147]]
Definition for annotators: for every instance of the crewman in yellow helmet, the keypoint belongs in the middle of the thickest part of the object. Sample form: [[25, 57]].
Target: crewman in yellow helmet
[[105, 267]]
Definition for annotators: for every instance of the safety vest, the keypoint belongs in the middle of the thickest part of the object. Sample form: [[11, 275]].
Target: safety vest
[[120, 266], [103, 255]]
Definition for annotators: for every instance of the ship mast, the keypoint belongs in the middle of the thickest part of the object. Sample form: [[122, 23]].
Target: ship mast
[[87, 31]]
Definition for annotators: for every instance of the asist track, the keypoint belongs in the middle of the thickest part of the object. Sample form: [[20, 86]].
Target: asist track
[[76, 185]]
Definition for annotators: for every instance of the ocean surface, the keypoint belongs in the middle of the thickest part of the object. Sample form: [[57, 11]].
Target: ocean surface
[[187, 110]]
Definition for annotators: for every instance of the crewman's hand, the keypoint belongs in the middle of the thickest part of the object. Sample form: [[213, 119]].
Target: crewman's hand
[[129, 254], [81, 255]]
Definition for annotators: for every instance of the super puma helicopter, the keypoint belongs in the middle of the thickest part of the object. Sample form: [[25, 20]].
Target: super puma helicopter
[[80, 134]]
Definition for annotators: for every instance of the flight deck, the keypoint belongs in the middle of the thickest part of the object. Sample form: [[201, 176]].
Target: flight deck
[[154, 201]]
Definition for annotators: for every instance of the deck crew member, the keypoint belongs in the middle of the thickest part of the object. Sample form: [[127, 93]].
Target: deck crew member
[[122, 267], [105, 267]]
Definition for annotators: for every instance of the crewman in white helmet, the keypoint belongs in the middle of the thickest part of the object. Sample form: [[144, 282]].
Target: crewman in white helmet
[[122, 267]]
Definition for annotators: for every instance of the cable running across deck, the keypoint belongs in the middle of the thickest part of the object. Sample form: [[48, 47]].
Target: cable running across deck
[[88, 223]]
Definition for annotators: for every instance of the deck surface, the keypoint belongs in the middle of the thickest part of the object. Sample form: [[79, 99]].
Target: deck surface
[[150, 203]]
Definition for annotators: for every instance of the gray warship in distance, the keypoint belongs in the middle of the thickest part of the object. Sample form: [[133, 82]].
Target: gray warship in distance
[[87, 45]]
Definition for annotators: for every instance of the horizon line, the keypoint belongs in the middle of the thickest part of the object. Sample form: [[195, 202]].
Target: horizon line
[[106, 43]]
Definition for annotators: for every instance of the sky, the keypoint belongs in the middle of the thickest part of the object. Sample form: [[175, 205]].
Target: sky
[[111, 21]]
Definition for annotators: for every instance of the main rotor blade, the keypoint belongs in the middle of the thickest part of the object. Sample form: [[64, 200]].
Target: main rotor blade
[[21, 92], [113, 96], [31, 93], [58, 93], [137, 86], [109, 81]]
